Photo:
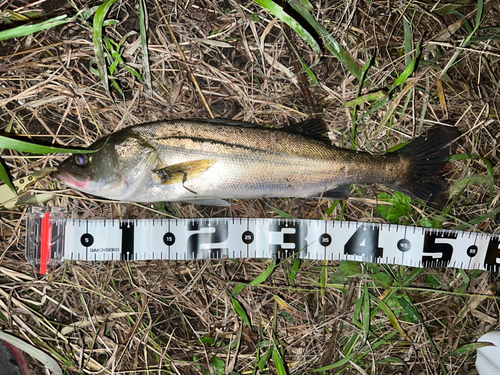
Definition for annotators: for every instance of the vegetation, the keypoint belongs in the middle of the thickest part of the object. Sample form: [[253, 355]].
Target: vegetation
[[379, 73]]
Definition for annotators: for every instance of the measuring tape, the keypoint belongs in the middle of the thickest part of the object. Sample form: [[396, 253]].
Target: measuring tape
[[51, 239]]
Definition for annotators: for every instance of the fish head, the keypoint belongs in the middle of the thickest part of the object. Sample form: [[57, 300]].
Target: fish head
[[114, 170]]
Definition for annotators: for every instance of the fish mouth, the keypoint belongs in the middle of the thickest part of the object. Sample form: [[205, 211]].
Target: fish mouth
[[72, 179]]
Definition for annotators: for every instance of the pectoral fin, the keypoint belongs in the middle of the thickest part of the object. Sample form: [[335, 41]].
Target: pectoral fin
[[183, 172]]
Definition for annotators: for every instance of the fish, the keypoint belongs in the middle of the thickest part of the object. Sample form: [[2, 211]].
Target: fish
[[210, 161]]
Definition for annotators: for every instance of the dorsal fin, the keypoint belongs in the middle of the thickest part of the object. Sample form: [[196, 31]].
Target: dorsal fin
[[313, 128]]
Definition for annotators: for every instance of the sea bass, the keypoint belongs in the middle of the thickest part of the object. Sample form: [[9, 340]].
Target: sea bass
[[206, 161]]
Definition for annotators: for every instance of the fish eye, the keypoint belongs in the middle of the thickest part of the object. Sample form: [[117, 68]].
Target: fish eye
[[82, 160]]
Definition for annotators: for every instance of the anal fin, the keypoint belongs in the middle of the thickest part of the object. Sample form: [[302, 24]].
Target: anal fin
[[338, 193], [208, 202]]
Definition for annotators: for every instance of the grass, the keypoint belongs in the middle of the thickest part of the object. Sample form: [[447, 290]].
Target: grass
[[418, 65]]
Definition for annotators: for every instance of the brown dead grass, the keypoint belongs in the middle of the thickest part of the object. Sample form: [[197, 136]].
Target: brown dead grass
[[153, 317]]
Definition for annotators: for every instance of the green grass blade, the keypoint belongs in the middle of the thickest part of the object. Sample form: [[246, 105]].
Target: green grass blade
[[24, 30], [241, 311], [469, 348], [378, 95], [295, 271], [278, 11], [280, 364], [265, 359], [4, 176], [258, 280], [144, 44], [392, 318], [15, 144], [489, 168], [100, 59], [408, 70], [331, 44], [366, 312], [478, 220]]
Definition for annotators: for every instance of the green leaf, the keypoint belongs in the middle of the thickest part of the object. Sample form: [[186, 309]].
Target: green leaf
[[331, 44], [391, 360], [265, 359], [408, 70], [388, 312], [349, 268], [489, 168], [278, 11], [24, 30], [144, 43], [295, 270], [241, 311], [4, 175], [100, 59], [366, 312], [469, 348], [219, 365], [258, 280], [15, 144], [382, 279], [280, 365], [378, 95], [413, 314]]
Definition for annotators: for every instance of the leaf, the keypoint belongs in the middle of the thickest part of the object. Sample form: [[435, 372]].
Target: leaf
[[258, 280], [392, 318], [295, 271], [366, 312], [4, 175], [24, 30], [469, 348], [349, 268], [278, 11], [14, 144], [331, 44], [280, 365], [413, 314], [408, 70], [489, 169], [378, 95], [241, 311], [281, 213], [144, 44], [100, 59], [382, 279], [391, 360], [265, 359]]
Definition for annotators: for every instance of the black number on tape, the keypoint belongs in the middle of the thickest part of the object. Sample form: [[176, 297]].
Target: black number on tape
[[195, 241], [364, 242], [297, 239], [444, 251], [492, 260], [87, 240], [127, 241]]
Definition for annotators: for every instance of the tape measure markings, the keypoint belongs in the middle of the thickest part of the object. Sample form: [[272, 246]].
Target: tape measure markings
[[217, 238]]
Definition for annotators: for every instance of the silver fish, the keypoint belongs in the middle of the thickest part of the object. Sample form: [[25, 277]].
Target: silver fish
[[206, 161]]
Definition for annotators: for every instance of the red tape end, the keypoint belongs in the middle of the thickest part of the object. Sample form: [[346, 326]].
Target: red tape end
[[45, 251]]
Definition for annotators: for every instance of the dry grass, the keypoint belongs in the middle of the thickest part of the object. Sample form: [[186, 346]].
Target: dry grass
[[177, 317]]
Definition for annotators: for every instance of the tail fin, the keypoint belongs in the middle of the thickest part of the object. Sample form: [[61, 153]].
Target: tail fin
[[428, 155]]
